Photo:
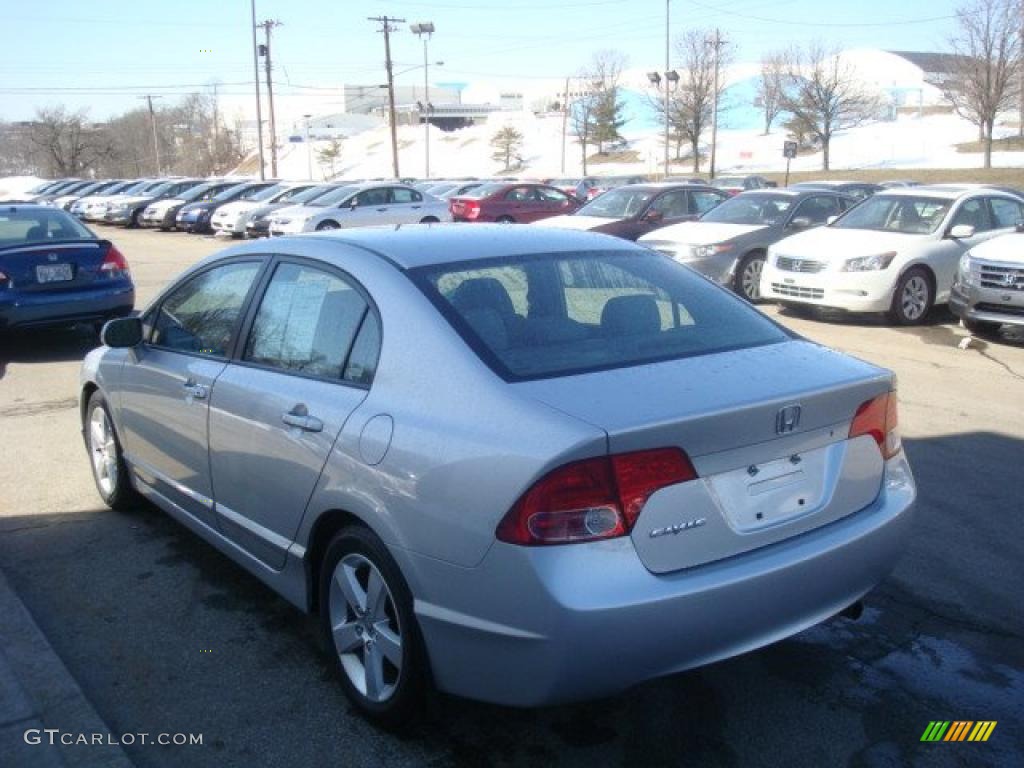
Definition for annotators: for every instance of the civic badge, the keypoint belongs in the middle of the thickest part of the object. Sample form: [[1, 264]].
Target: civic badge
[[52, 256], [787, 419]]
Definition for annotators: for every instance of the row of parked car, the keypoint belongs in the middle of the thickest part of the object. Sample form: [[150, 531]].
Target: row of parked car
[[897, 247]]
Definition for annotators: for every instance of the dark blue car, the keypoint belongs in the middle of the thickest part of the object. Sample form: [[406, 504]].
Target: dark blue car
[[55, 271]]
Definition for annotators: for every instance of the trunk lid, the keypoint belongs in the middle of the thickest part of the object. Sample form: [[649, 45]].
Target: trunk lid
[[762, 478], [53, 267]]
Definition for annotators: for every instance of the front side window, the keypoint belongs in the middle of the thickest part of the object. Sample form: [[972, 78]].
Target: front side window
[[671, 205], [818, 208], [306, 322], [974, 214], [546, 195], [544, 315], [377, 196], [702, 202], [1005, 213], [201, 315]]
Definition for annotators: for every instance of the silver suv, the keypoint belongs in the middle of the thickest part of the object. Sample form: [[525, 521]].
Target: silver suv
[[988, 290]]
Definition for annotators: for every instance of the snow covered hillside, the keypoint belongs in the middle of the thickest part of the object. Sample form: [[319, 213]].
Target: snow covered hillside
[[910, 142]]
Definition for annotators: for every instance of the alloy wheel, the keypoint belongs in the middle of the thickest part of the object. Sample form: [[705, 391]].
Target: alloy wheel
[[914, 299], [750, 280], [103, 450], [365, 627]]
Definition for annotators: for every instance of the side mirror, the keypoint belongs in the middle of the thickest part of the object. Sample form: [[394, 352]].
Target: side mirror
[[961, 232], [1019, 226], [831, 220], [801, 222], [122, 332], [353, 203], [653, 217]]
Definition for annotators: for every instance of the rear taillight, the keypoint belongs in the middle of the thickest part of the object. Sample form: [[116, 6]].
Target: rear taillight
[[592, 499], [472, 209], [878, 418], [114, 264], [5, 281]]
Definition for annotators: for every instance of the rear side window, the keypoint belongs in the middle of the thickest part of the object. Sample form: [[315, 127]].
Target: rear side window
[[306, 322], [546, 315], [402, 195], [200, 316]]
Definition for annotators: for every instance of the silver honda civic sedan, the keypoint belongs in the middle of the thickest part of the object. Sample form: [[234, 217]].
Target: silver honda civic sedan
[[526, 465]]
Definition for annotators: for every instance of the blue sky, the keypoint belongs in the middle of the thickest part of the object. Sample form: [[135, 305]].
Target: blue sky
[[103, 55]]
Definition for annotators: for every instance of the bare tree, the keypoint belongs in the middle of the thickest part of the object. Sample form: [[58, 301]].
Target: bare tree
[[987, 50], [581, 116], [771, 87], [824, 95], [68, 145], [691, 103]]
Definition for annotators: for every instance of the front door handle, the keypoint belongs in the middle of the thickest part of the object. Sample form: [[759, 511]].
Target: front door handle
[[197, 391], [299, 418]]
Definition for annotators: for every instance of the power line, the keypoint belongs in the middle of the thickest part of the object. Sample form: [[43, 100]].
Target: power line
[[800, 23]]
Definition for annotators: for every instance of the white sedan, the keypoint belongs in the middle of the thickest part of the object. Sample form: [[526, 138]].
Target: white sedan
[[231, 218], [361, 205], [896, 252]]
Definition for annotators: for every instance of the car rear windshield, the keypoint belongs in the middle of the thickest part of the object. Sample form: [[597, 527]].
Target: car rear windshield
[[897, 213], [39, 226], [485, 190], [545, 315]]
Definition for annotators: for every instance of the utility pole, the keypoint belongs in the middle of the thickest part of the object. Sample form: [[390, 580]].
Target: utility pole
[[216, 129], [309, 151], [387, 29], [667, 105], [716, 43], [1020, 78], [256, 77], [268, 25], [152, 121], [565, 120]]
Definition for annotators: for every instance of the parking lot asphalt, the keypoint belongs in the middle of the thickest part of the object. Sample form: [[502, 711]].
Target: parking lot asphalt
[[166, 635]]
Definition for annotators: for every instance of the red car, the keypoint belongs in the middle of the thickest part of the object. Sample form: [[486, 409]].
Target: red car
[[512, 203]]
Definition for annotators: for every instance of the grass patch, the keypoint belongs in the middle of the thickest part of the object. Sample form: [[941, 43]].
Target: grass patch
[[1008, 176], [1009, 144], [625, 156], [467, 142]]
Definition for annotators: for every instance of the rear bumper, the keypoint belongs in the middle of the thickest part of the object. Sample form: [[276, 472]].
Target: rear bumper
[[987, 305], [64, 308], [536, 626]]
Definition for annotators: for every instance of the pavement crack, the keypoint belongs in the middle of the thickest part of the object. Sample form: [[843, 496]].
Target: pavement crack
[[38, 526], [35, 409], [1000, 363]]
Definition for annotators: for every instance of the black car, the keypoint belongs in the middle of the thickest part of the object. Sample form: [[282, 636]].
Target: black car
[[195, 217], [858, 190]]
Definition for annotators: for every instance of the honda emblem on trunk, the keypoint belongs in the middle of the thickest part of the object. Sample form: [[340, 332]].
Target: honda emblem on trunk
[[787, 419]]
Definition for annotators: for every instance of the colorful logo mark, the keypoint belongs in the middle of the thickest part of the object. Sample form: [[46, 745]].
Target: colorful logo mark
[[959, 730]]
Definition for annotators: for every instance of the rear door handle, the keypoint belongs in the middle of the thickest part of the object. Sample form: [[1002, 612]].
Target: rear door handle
[[299, 418]]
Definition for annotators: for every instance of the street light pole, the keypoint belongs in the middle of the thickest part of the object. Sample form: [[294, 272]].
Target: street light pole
[[424, 30], [256, 77], [309, 151]]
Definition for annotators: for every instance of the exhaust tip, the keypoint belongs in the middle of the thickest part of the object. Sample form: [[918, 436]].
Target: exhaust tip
[[853, 611]]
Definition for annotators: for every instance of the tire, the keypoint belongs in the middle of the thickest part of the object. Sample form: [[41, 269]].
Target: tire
[[325, 226], [429, 220], [106, 458], [913, 297], [505, 220], [133, 221], [980, 327], [356, 558], [748, 277]]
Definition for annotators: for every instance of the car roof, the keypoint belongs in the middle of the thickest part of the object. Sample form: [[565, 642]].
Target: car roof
[[946, 191], [418, 245]]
